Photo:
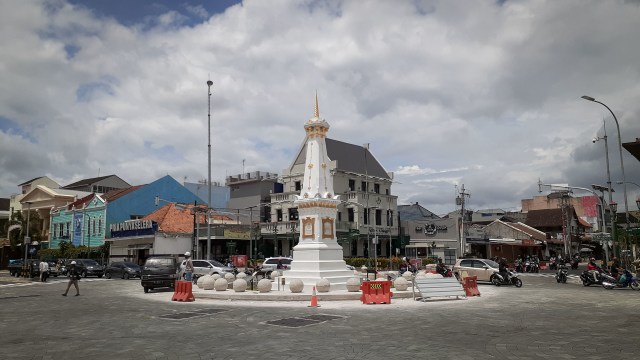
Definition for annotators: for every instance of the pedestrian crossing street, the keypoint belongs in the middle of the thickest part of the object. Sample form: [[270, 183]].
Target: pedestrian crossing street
[[49, 282]]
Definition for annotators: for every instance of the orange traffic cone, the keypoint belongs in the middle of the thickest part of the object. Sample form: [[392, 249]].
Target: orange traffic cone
[[314, 299]]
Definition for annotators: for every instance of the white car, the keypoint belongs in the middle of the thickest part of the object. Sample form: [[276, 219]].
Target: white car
[[271, 263], [207, 267]]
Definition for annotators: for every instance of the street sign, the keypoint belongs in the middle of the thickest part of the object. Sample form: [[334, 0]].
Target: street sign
[[375, 240], [27, 240]]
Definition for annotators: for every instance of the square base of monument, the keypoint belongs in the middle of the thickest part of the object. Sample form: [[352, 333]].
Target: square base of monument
[[313, 261]]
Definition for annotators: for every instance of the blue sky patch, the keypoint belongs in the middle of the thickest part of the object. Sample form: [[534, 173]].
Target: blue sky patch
[[85, 92]]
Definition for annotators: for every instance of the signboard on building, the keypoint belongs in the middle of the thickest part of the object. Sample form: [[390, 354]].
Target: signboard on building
[[239, 233], [133, 228], [78, 219]]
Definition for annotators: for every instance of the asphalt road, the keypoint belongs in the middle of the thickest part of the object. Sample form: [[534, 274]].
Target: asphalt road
[[114, 319]]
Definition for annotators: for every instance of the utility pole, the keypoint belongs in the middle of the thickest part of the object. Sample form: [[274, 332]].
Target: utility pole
[[460, 200]]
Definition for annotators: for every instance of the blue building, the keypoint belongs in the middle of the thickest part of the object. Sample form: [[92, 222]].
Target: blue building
[[86, 222], [140, 202]]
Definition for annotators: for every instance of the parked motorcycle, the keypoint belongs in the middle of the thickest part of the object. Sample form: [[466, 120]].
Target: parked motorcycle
[[625, 280], [561, 274], [513, 278], [588, 279]]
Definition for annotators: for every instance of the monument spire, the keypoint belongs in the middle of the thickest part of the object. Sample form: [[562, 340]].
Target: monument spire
[[316, 113]]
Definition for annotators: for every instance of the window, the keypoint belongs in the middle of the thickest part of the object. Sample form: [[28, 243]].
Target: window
[[378, 217], [450, 256], [350, 215], [93, 226], [279, 215], [376, 188], [100, 224], [60, 229], [389, 218], [66, 231], [298, 185], [363, 187], [386, 191], [293, 214], [366, 216], [339, 216], [466, 263], [352, 185]]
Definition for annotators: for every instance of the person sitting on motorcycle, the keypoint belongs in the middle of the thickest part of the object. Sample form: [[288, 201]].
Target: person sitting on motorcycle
[[441, 268], [594, 269], [615, 268], [503, 269]]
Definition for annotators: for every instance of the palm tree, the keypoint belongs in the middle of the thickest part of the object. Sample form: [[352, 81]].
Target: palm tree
[[17, 225]]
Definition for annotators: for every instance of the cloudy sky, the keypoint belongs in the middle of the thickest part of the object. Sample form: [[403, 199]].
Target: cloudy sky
[[480, 93]]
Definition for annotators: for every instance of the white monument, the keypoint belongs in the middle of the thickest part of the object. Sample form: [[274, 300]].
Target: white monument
[[318, 254]]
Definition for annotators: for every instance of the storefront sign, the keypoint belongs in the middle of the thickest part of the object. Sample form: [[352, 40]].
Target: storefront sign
[[432, 229], [133, 228], [528, 242]]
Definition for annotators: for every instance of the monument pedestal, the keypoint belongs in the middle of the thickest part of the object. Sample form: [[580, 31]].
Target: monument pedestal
[[313, 261]]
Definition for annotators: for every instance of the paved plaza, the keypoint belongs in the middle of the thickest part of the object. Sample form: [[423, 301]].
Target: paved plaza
[[114, 319]]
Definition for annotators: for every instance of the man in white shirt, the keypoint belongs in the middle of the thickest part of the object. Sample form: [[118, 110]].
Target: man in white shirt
[[44, 271]]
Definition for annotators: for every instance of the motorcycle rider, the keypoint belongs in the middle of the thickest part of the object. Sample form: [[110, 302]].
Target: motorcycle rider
[[593, 269], [615, 268], [503, 269], [441, 268]]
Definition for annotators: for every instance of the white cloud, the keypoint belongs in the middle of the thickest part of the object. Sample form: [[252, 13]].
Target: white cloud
[[446, 93]]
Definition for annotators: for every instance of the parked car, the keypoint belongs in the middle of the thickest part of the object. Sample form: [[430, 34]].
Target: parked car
[[122, 269], [53, 269], [207, 267], [278, 262], [15, 267], [481, 268], [87, 267], [158, 272]]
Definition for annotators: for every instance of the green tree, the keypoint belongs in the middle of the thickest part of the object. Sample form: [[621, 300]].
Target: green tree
[[17, 236]]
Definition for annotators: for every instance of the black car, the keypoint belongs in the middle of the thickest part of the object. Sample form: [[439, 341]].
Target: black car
[[87, 267], [122, 269], [158, 272]]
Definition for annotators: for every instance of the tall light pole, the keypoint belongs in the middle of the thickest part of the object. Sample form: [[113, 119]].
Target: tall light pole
[[209, 83], [624, 185], [26, 237]]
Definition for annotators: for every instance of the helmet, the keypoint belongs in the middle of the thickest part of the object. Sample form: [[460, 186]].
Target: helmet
[[614, 258], [187, 254], [73, 263], [592, 259]]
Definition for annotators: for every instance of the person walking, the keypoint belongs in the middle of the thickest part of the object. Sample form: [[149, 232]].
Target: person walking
[[74, 276], [44, 271], [188, 266]]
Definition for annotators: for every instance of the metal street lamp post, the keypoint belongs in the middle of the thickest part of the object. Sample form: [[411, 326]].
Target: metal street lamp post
[[209, 83], [624, 185]]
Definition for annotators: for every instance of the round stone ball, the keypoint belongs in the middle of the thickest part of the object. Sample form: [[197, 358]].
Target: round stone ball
[[323, 285], [274, 274], [229, 277], [296, 286], [200, 281], [421, 275], [216, 276], [401, 284], [240, 285], [208, 283], [407, 275], [241, 275], [353, 284], [221, 284], [264, 285]]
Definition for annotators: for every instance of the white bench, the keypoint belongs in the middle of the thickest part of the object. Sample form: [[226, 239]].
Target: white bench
[[429, 288]]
